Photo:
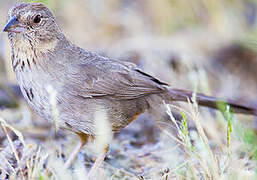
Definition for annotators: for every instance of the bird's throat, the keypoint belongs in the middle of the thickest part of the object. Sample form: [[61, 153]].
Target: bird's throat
[[27, 54]]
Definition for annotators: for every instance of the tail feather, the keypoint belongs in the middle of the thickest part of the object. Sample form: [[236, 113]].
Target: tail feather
[[211, 102]]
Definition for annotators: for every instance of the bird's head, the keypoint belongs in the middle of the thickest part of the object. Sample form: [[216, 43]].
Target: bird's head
[[31, 22]]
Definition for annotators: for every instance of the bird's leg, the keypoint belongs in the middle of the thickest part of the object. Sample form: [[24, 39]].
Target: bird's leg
[[83, 140], [99, 160]]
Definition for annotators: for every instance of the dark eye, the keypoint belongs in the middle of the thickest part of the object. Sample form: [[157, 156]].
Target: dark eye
[[37, 19]]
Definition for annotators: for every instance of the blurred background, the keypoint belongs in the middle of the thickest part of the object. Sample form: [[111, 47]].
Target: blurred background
[[204, 46]]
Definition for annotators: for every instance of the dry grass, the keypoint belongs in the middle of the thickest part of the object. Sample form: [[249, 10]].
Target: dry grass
[[187, 44]]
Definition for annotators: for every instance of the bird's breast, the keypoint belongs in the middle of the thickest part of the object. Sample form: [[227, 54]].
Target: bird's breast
[[34, 83]]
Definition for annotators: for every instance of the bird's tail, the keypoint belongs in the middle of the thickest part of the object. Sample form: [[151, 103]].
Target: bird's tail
[[211, 102]]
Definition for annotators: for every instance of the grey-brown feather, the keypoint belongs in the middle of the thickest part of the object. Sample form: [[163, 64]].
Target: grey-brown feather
[[83, 80]]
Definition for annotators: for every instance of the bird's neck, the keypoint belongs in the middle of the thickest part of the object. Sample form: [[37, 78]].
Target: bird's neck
[[37, 47], [32, 51]]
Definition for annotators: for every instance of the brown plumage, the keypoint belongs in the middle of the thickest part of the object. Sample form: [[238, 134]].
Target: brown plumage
[[46, 63]]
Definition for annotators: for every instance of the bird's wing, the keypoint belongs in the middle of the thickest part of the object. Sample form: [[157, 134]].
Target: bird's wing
[[114, 79]]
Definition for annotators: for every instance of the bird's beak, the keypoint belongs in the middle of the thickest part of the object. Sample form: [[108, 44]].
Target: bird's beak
[[13, 25]]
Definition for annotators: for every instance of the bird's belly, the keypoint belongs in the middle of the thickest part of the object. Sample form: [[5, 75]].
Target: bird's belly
[[36, 93]]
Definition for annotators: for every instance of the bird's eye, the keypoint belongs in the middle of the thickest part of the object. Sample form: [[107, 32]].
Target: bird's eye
[[37, 19]]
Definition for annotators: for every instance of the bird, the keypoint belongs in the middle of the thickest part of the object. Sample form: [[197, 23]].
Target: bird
[[67, 84]]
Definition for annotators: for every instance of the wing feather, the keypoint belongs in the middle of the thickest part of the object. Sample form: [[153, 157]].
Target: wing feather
[[115, 79]]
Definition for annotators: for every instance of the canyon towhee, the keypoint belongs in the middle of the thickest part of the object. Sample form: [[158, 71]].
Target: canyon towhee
[[65, 83]]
